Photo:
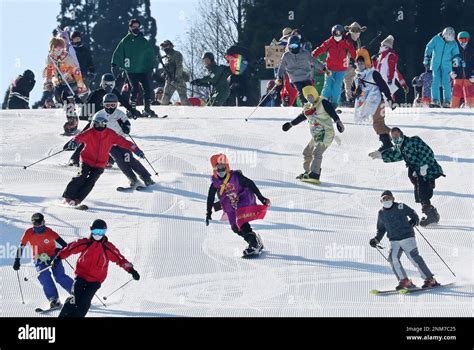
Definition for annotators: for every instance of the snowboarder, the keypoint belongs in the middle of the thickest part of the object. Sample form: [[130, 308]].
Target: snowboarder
[[19, 91], [89, 273], [397, 221], [98, 141], [63, 76], [45, 244], [463, 75], [136, 57], [441, 53], [84, 57], [367, 88], [423, 169], [175, 75], [298, 64], [386, 64], [216, 78], [319, 113], [338, 49], [236, 193]]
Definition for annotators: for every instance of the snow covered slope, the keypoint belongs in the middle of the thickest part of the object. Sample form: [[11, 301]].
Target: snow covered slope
[[318, 261]]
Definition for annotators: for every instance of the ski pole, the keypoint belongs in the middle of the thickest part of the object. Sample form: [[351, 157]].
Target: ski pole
[[378, 249], [435, 251], [261, 101], [37, 273], [131, 138], [52, 155], [74, 95], [94, 294], [19, 284], [379, 33], [123, 285]]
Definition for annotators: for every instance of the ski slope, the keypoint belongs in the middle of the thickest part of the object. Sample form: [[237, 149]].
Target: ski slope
[[317, 261]]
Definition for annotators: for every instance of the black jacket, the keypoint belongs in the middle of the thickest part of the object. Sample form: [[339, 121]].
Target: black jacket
[[19, 95], [394, 221], [85, 60]]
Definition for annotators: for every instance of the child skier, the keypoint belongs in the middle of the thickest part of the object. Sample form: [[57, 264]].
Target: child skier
[[422, 86], [91, 268], [236, 193], [393, 220], [45, 244], [319, 113], [98, 142]]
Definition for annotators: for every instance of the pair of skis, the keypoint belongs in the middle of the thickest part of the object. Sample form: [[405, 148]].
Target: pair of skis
[[407, 291]]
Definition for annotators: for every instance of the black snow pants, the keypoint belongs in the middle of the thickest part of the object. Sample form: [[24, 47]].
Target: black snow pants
[[78, 304]]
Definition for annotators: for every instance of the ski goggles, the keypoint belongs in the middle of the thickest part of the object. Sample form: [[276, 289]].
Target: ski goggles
[[99, 231], [293, 46], [110, 105], [100, 124], [337, 33]]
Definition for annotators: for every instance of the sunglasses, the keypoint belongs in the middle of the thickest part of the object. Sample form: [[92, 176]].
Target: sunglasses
[[99, 231]]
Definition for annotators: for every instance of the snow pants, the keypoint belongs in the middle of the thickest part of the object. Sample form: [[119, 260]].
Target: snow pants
[[169, 90], [299, 87], [143, 79], [407, 246], [462, 88], [83, 183], [313, 156], [79, 303], [423, 188], [441, 78], [332, 87], [46, 279], [378, 120], [348, 79], [129, 164]]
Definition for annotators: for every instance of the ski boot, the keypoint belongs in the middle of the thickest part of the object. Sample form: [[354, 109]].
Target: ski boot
[[446, 105], [430, 283], [54, 303], [72, 162], [255, 244], [302, 175], [148, 112], [312, 178], [148, 181], [431, 217], [133, 182], [386, 142], [405, 284], [435, 104]]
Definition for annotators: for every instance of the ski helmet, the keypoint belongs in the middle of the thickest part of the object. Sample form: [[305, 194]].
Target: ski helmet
[[448, 34], [107, 82], [37, 219], [337, 30], [99, 121], [110, 102], [208, 55], [98, 229], [294, 44]]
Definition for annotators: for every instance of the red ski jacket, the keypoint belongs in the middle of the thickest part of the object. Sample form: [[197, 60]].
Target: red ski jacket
[[97, 145], [337, 53], [93, 262]]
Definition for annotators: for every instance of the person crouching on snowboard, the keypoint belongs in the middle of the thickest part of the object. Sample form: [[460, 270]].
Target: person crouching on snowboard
[[45, 244], [320, 113], [91, 268], [234, 191], [98, 142], [393, 220], [423, 169]]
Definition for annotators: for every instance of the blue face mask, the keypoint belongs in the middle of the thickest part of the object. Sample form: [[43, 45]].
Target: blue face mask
[[39, 229]]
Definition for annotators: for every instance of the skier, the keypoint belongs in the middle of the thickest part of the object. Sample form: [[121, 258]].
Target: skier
[[84, 57], [91, 269], [235, 191], [463, 75], [319, 113], [19, 91], [45, 244], [441, 53], [298, 64], [398, 220], [63, 77], [98, 141], [423, 169], [118, 122], [353, 37], [136, 57], [367, 88], [386, 64], [338, 49], [175, 75], [216, 78]]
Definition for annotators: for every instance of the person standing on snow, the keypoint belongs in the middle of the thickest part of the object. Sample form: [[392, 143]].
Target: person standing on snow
[[18, 94], [98, 141], [90, 274], [337, 63], [320, 114], [423, 169], [45, 244], [367, 89], [441, 54], [84, 57], [298, 64], [136, 57], [235, 191], [463, 75], [397, 221], [175, 76]]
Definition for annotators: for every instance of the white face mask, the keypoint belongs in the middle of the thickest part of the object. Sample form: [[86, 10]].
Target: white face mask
[[338, 38], [383, 49], [387, 204], [97, 237], [355, 36]]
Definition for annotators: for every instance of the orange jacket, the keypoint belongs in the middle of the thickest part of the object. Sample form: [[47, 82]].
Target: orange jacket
[[69, 69], [44, 242]]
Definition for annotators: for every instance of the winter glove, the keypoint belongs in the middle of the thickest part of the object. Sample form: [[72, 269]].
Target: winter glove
[[135, 274], [140, 153], [389, 82], [71, 145], [453, 75], [340, 126], [278, 82], [48, 87], [424, 170], [413, 222], [208, 218], [287, 126], [327, 72], [125, 126], [391, 104], [374, 242], [375, 155], [265, 201], [135, 113], [406, 90], [16, 264]]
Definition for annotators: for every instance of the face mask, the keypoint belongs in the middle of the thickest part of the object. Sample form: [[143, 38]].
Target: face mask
[[168, 50], [100, 126], [97, 237], [110, 108], [39, 229], [355, 36], [221, 172], [311, 99], [383, 49], [338, 38], [295, 51], [463, 44], [57, 51], [398, 141], [77, 44], [387, 204], [135, 31], [108, 87]]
